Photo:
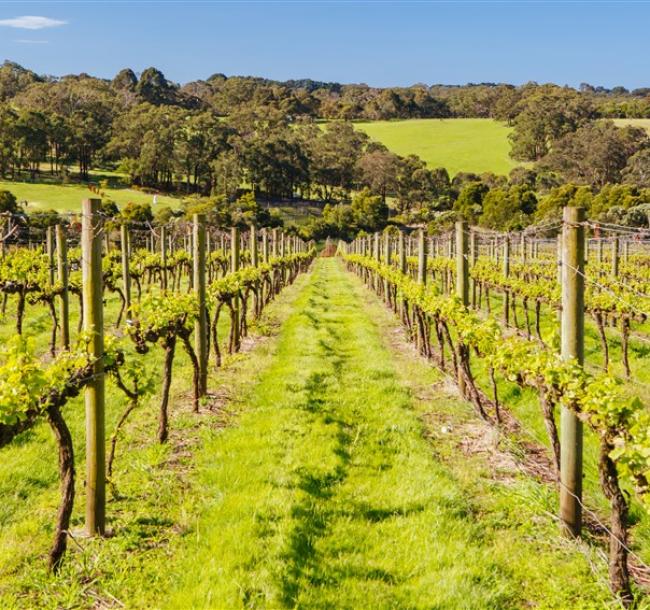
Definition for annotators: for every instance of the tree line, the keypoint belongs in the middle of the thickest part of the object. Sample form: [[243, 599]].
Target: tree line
[[214, 140]]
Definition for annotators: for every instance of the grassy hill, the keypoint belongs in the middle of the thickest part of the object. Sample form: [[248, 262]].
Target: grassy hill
[[68, 197], [472, 145], [644, 123], [469, 145]]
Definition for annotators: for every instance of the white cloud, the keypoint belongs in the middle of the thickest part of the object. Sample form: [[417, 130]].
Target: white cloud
[[25, 41], [31, 23]]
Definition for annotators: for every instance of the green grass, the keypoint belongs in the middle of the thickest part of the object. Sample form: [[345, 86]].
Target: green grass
[[644, 123], [460, 145], [319, 478], [326, 494], [48, 195]]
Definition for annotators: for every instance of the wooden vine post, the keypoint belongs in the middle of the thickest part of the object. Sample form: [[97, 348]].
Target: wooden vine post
[[473, 255], [253, 246], [422, 257], [376, 254], [126, 276], [265, 245], [62, 270], [599, 251], [615, 256], [573, 264], [275, 243], [387, 249], [462, 279], [94, 394], [402, 252], [201, 324], [234, 262], [387, 257], [50, 254], [506, 273], [163, 258]]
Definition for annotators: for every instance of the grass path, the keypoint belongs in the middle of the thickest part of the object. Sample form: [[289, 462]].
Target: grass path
[[326, 493]]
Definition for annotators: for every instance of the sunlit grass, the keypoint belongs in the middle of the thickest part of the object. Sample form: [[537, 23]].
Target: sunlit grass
[[459, 145]]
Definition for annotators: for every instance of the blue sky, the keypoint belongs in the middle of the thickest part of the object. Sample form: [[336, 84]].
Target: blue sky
[[379, 43]]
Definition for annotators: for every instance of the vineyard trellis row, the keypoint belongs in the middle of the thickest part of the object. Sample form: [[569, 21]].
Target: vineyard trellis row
[[442, 318], [162, 312]]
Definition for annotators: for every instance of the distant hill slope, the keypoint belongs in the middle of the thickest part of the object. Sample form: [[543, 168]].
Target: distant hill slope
[[644, 123], [467, 145]]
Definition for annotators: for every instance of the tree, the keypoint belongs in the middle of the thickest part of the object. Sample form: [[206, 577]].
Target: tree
[[154, 88], [200, 138], [41, 219], [622, 196], [7, 138], [469, 204], [337, 222], [418, 187], [8, 203], [637, 169], [137, 213], [227, 174], [550, 207], [334, 157], [125, 80], [378, 169], [545, 116], [370, 211], [595, 154], [506, 209]]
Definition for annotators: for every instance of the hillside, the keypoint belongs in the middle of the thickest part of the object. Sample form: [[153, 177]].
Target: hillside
[[460, 145]]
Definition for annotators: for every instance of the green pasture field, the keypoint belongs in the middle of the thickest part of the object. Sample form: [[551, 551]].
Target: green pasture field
[[644, 123], [460, 145], [51, 195]]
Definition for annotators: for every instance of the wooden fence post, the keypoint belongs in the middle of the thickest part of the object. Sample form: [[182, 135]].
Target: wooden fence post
[[402, 252], [163, 258], [615, 256], [422, 257], [253, 246], [506, 273], [573, 264], [265, 245], [275, 243], [62, 265], [234, 262], [462, 279], [126, 275], [94, 394], [473, 255], [49, 250], [387, 261], [599, 251], [201, 324], [387, 249]]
